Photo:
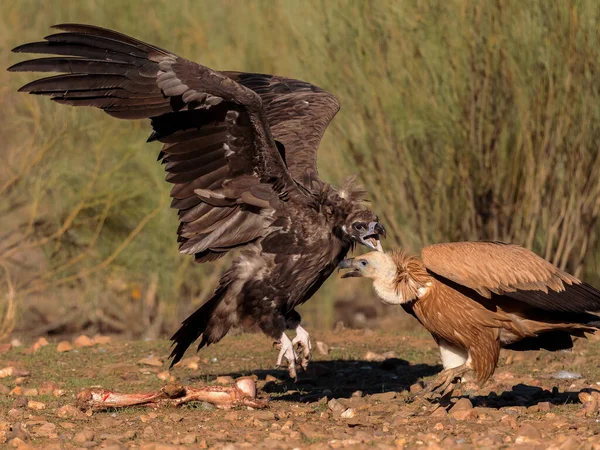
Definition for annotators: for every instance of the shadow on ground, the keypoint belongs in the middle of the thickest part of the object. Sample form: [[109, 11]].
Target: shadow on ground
[[524, 395], [341, 378]]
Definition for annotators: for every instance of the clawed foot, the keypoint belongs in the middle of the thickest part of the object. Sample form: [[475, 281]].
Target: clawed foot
[[287, 351], [303, 347], [296, 352], [443, 384]]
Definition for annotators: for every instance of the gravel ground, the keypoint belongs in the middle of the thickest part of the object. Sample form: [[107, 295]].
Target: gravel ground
[[357, 393]]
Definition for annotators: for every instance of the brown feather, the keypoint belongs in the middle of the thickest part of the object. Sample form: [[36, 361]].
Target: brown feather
[[493, 267], [411, 274], [298, 114], [481, 296]]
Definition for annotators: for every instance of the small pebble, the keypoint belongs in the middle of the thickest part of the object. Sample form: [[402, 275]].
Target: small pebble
[[83, 341], [101, 340], [566, 375], [166, 375], [348, 414], [151, 361], [225, 380], [334, 405], [462, 405], [37, 406], [41, 342], [64, 346], [86, 435]]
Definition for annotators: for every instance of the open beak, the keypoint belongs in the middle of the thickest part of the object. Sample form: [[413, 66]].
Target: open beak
[[348, 264], [370, 237]]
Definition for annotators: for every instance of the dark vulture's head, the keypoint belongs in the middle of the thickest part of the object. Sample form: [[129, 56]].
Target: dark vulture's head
[[360, 224], [363, 227]]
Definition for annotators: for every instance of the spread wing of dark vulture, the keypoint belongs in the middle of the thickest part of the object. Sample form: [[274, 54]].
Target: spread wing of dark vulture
[[496, 269], [202, 117], [298, 114], [240, 151]]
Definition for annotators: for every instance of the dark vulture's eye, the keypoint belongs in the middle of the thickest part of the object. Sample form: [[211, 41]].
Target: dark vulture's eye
[[363, 263], [358, 226]]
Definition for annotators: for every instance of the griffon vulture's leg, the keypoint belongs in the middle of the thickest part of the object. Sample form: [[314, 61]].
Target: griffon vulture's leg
[[445, 382], [481, 358], [455, 361], [452, 355]]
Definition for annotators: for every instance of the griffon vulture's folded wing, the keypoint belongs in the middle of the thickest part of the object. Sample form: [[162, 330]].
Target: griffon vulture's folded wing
[[507, 269]]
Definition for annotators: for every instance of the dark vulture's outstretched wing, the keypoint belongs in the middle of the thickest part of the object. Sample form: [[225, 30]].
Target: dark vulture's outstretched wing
[[298, 114], [496, 268], [220, 129]]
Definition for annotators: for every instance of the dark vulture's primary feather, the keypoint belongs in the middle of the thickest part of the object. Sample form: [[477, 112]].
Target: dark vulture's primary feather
[[240, 151]]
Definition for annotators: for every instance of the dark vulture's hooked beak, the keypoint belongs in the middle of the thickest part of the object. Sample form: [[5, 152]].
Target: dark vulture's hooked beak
[[349, 264], [370, 236]]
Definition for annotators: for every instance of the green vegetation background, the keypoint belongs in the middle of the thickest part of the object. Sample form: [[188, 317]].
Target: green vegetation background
[[465, 120]]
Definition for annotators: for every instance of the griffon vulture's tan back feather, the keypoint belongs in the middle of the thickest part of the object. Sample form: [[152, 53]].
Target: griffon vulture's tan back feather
[[507, 269]]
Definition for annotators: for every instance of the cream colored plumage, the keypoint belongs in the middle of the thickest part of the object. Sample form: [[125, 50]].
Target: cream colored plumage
[[478, 297]]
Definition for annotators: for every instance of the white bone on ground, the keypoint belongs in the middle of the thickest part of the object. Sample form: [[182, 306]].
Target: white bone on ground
[[247, 386]]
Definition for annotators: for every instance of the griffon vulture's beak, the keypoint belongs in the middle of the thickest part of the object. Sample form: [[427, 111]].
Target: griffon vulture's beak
[[370, 237], [349, 264]]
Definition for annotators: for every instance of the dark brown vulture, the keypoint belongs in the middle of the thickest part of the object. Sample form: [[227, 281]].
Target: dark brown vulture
[[240, 149], [478, 297]]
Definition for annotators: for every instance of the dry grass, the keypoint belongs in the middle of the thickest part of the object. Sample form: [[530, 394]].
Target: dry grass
[[7, 318], [465, 121]]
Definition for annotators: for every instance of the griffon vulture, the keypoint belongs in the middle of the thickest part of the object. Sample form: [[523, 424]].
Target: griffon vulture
[[478, 297], [240, 150]]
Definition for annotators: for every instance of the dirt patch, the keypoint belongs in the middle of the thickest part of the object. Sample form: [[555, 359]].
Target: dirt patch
[[360, 393]]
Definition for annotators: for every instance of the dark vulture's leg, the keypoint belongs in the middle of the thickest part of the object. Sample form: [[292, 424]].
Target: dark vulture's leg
[[275, 327], [301, 342], [286, 350]]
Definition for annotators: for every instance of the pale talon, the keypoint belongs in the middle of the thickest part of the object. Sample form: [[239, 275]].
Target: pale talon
[[302, 342], [287, 352]]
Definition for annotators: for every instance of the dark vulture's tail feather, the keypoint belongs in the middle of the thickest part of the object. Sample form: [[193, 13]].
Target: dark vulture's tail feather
[[196, 325]]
